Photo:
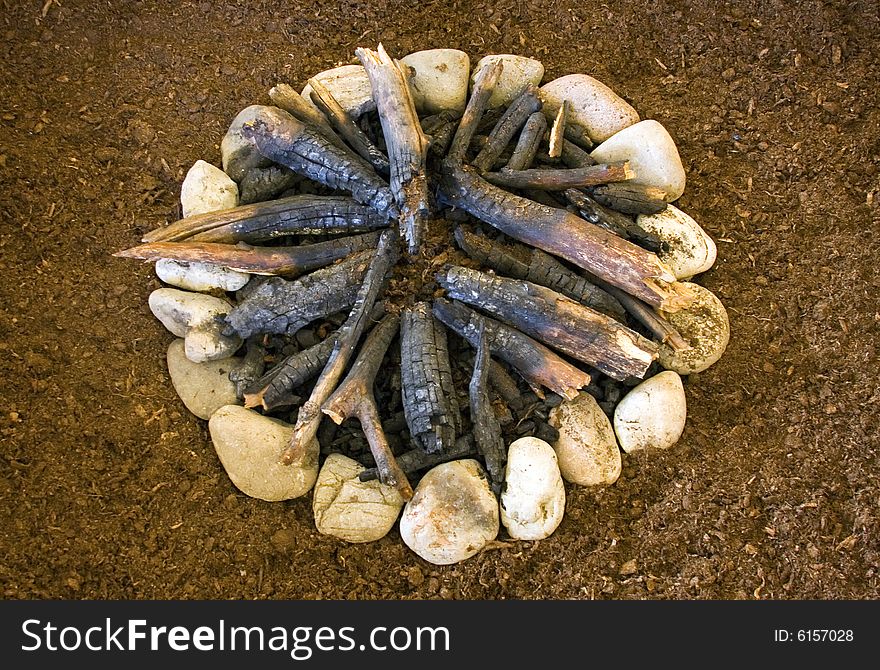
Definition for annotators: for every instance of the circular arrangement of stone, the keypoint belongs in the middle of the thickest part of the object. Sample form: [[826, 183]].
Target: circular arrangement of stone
[[245, 283]]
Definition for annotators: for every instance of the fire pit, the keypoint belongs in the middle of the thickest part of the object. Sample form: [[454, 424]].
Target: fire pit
[[519, 245]]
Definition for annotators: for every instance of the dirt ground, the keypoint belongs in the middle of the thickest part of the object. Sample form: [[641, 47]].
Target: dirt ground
[[110, 489]]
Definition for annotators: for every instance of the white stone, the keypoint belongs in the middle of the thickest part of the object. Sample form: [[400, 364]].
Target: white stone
[[350, 509], [202, 387], [439, 80], [350, 85], [705, 326], [194, 317], [205, 342], [452, 515], [518, 73], [249, 446], [652, 415], [587, 448], [652, 154], [238, 153], [689, 250], [198, 276], [178, 310], [595, 108], [206, 188], [533, 501]]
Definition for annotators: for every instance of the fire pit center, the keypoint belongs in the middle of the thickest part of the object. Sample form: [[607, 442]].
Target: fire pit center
[[513, 241]]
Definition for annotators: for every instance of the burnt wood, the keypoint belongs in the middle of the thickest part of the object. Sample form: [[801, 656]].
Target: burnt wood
[[261, 221], [285, 140], [559, 180], [355, 398], [283, 261], [429, 400], [309, 416], [562, 323], [484, 85], [276, 388], [407, 144], [538, 365], [526, 104], [284, 306], [561, 233], [485, 426], [346, 127], [528, 143], [523, 262]]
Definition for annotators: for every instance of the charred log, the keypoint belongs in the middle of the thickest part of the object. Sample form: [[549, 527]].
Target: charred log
[[630, 198], [407, 144], [564, 234], [347, 128], [281, 138], [276, 388], [283, 261], [526, 104], [612, 221], [355, 398], [486, 429], [283, 306], [559, 322], [429, 400], [250, 367], [528, 143], [294, 104], [484, 86], [350, 332], [559, 180], [523, 262], [416, 459], [538, 365], [296, 215]]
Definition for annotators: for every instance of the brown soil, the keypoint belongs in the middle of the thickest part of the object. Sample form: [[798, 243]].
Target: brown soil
[[109, 488]]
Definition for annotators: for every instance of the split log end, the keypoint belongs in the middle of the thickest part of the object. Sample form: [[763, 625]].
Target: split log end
[[676, 296]]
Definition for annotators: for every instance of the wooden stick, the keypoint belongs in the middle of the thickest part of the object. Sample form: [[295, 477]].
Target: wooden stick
[[486, 429], [502, 382], [630, 198], [528, 142], [283, 261], [345, 125], [648, 317], [294, 104], [526, 104], [561, 233], [536, 363], [484, 86], [284, 306], [296, 215], [309, 416], [559, 322], [429, 401], [612, 221], [355, 398], [572, 155], [559, 180], [557, 132], [276, 387], [523, 262], [416, 459], [407, 144], [249, 368], [281, 138]]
